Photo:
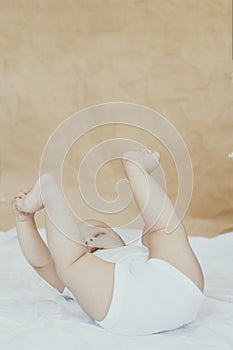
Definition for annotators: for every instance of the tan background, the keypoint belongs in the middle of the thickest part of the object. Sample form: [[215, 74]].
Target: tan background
[[175, 56]]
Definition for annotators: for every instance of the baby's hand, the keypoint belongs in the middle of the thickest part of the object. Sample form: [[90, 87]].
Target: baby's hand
[[20, 216]]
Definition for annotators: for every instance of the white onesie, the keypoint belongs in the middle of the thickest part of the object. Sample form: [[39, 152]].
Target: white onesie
[[149, 296]]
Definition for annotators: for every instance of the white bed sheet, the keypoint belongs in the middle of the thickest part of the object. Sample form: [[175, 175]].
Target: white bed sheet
[[33, 315]]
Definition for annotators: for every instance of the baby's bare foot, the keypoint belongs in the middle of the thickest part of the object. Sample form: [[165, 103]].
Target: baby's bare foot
[[144, 159], [31, 202], [21, 216]]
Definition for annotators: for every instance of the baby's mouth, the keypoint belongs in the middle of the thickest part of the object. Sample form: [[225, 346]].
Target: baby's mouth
[[95, 249]]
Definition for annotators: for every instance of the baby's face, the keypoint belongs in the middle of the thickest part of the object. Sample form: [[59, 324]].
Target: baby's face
[[101, 237]]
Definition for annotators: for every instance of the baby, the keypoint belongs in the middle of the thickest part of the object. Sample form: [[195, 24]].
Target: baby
[[125, 289]]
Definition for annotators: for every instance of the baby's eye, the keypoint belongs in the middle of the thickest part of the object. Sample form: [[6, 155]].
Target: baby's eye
[[98, 234]]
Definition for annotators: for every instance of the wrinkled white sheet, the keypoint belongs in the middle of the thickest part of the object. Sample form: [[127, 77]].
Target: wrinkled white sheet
[[33, 315]]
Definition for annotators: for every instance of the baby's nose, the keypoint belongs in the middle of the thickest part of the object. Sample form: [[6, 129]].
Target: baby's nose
[[88, 240]]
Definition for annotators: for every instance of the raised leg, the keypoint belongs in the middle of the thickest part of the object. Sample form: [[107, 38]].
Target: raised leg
[[156, 209], [88, 277], [63, 223]]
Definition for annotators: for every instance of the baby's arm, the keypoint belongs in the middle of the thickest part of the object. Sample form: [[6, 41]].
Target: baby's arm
[[33, 247]]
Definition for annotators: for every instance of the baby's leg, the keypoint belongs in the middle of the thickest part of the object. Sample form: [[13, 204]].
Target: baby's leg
[[63, 220], [156, 209], [88, 277]]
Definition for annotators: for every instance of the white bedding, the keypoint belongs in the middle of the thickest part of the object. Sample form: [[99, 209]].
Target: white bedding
[[33, 315]]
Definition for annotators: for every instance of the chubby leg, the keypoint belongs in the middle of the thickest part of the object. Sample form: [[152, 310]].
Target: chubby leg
[[63, 220], [32, 245], [88, 277], [156, 209]]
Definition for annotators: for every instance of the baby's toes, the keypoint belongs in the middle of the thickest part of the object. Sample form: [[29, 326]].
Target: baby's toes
[[20, 194]]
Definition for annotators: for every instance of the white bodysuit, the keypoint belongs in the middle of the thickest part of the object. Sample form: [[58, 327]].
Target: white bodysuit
[[149, 296]]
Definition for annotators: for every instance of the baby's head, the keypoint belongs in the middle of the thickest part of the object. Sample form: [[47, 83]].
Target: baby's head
[[101, 236]]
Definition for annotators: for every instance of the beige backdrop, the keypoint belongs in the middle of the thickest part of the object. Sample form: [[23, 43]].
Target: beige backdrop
[[175, 56]]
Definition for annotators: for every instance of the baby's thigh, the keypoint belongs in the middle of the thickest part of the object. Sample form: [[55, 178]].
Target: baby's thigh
[[91, 280], [176, 250]]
